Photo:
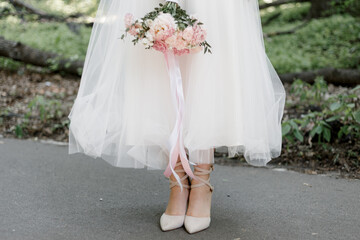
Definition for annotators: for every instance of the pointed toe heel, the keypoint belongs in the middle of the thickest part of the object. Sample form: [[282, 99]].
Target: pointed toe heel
[[170, 222], [196, 224]]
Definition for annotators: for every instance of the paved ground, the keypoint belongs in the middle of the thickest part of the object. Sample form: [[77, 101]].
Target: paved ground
[[48, 194]]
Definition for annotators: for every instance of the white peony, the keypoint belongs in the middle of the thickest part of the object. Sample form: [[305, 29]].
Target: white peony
[[149, 36], [163, 26], [146, 42], [148, 22]]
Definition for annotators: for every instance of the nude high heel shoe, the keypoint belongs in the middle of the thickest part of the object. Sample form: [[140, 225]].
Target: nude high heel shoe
[[197, 224], [171, 222]]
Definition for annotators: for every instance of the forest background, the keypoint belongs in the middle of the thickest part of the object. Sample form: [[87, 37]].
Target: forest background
[[313, 44]]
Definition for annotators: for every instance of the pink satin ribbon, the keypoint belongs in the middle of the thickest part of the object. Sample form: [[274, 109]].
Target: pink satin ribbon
[[175, 143]]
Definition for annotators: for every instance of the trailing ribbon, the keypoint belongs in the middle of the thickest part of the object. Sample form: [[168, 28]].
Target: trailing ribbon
[[175, 143]]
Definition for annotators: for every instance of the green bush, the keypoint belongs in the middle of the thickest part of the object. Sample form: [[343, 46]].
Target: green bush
[[346, 6], [47, 36], [337, 121], [332, 41], [288, 13]]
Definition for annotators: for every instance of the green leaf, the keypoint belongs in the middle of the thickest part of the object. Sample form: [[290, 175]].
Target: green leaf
[[19, 131], [357, 116], [333, 118], [299, 136], [335, 106], [293, 124], [285, 129], [351, 105], [327, 134], [316, 130], [325, 124], [355, 89]]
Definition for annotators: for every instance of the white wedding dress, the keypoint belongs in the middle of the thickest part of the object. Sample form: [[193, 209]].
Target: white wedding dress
[[123, 112]]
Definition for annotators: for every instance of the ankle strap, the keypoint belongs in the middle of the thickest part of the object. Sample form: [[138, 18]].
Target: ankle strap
[[200, 172], [175, 183], [179, 170]]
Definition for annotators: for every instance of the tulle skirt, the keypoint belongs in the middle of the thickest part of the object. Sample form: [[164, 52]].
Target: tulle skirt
[[124, 113]]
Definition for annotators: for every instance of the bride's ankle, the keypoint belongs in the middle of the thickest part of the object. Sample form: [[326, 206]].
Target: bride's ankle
[[201, 192], [202, 176], [178, 199]]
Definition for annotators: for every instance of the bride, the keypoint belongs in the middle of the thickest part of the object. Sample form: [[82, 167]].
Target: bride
[[233, 97]]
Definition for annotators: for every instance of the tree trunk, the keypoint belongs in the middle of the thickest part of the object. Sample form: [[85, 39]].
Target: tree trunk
[[20, 52], [319, 8]]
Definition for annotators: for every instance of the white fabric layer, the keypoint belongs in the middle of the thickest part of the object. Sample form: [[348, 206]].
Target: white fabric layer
[[124, 114], [175, 1]]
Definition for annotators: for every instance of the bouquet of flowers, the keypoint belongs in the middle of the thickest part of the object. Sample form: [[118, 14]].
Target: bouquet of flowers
[[166, 28], [170, 30]]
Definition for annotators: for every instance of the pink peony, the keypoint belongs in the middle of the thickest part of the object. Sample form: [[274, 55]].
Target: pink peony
[[171, 41], [181, 52], [199, 35], [129, 19], [133, 31], [188, 34], [160, 46], [180, 43]]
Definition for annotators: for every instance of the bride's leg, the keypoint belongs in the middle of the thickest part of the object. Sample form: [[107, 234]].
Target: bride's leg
[[200, 197], [177, 199]]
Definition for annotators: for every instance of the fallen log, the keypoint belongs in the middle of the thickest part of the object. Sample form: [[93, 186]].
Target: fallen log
[[291, 31], [20, 52], [50, 17], [272, 18], [343, 77], [29, 8], [280, 2]]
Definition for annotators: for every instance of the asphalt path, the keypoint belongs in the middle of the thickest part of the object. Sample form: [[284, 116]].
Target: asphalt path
[[48, 194]]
